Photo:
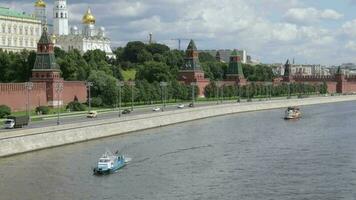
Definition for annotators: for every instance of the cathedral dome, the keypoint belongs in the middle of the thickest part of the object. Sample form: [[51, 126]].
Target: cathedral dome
[[40, 3], [88, 18]]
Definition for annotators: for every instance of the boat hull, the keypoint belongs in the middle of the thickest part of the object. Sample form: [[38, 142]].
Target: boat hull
[[99, 171]]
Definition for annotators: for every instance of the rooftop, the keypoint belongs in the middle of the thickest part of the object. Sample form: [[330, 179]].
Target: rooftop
[[13, 13]]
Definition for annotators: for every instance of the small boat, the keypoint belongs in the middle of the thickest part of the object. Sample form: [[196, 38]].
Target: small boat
[[292, 113], [110, 163]]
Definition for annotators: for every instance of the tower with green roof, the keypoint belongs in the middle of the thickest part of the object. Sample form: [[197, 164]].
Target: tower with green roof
[[235, 71], [287, 77], [45, 68], [191, 71]]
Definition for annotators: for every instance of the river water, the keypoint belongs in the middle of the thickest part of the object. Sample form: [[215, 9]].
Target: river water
[[245, 156]]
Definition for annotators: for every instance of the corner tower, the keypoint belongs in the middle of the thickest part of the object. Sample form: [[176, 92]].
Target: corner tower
[[60, 18], [40, 11]]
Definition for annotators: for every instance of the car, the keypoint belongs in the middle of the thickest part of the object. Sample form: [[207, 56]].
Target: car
[[191, 105], [126, 111], [92, 114], [156, 109], [180, 106]]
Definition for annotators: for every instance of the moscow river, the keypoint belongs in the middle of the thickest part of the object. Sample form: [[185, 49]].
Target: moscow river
[[244, 156]]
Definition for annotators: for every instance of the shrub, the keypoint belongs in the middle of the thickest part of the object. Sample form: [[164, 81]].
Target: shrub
[[4, 111], [44, 110], [76, 106], [96, 101]]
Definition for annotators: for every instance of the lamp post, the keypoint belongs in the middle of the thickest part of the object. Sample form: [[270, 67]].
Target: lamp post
[[59, 88], [220, 91], [28, 86], [89, 85], [193, 84], [289, 96], [119, 84], [132, 84], [238, 93], [163, 86]]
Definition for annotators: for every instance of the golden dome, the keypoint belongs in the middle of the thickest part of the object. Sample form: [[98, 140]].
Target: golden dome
[[40, 3], [88, 18]]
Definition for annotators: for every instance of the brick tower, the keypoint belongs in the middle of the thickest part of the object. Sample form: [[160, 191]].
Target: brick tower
[[235, 72], [287, 77], [46, 69], [191, 71]]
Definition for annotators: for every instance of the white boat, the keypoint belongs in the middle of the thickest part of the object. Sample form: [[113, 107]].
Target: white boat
[[109, 163], [292, 113]]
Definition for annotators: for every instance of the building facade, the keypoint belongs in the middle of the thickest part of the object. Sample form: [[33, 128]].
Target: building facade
[[18, 30]]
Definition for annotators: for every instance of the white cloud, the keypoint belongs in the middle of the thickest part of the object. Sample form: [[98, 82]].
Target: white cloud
[[310, 15]]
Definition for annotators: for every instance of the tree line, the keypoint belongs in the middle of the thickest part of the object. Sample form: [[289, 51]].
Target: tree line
[[152, 64]]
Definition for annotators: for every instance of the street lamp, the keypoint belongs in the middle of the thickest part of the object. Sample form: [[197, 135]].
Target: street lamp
[[119, 84], [220, 93], [163, 86], [89, 84], [193, 84], [59, 88], [238, 93], [28, 86], [132, 84]]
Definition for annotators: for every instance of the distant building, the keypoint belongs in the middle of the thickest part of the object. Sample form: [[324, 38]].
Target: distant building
[[18, 30], [223, 55]]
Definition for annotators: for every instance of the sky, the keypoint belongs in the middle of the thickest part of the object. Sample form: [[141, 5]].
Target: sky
[[311, 31]]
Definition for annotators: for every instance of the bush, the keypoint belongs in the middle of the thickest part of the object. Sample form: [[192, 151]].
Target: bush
[[43, 110], [76, 106], [96, 101], [4, 111]]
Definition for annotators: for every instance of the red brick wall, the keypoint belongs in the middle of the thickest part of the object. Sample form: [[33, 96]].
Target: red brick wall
[[74, 89], [14, 95]]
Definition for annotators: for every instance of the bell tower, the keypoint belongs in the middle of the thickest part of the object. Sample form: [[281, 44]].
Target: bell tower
[[60, 18]]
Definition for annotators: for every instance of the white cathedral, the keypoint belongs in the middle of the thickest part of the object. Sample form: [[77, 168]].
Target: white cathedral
[[89, 38]]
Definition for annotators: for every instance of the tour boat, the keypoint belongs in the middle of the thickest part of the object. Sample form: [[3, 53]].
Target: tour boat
[[293, 113], [109, 163]]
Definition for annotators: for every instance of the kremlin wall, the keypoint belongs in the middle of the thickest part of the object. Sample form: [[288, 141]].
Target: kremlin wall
[[45, 78]]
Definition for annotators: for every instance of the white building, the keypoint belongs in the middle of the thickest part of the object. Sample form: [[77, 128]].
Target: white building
[[88, 38], [18, 30]]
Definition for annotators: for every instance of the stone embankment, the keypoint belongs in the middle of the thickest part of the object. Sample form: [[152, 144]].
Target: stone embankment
[[21, 141]]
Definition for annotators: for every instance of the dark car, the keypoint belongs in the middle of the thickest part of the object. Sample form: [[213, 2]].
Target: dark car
[[191, 105], [126, 111]]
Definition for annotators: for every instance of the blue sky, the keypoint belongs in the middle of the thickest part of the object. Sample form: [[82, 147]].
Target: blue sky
[[311, 31]]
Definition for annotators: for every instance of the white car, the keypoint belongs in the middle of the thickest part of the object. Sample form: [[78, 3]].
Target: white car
[[181, 106], [156, 109], [9, 124], [92, 114]]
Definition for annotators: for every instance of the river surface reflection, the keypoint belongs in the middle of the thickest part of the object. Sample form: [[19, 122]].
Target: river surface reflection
[[245, 156]]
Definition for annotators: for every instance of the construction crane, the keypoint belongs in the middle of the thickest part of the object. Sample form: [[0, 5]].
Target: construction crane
[[180, 41]]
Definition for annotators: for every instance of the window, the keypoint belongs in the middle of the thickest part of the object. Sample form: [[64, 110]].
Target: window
[[20, 29], [26, 31], [56, 15], [26, 43], [21, 42], [9, 41], [65, 15], [31, 31], [15, 29], [9, 29], [3, 28], [61, 15]]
